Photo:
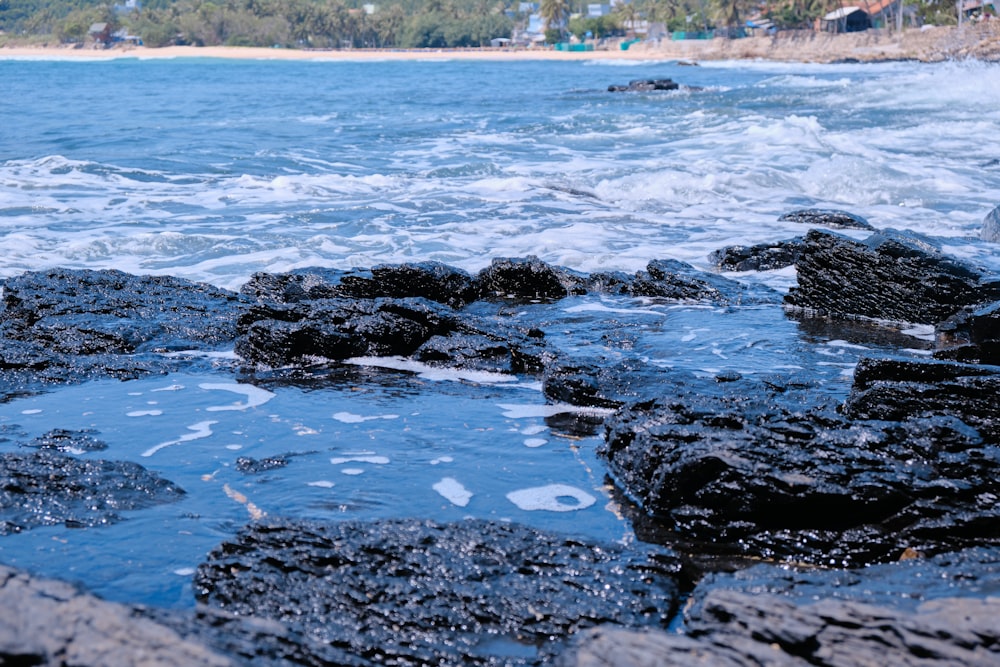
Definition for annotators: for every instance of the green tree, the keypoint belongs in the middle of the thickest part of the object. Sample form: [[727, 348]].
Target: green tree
[[554, 14]]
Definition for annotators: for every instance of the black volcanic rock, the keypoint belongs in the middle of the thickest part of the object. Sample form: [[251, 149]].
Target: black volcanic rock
[[937, 611], [308, 332], [817, 217], [44, 489], [66, 441], [896, 390], [527, 279], [890, 276], [420, 593], [66, 325], [770, 474], [760, 257], [644, 86], [430, 280], [84, 312]]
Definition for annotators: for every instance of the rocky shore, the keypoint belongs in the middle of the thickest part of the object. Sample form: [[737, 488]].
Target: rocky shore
[[777, 524]]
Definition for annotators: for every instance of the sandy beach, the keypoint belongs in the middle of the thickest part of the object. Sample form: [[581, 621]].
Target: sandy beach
[[930, 44]]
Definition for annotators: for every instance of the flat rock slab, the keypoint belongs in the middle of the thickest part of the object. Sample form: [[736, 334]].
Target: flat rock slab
[[939, 611], [46, 622], [421, 593]]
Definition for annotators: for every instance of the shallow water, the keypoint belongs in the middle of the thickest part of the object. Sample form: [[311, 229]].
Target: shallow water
[[213, 170]]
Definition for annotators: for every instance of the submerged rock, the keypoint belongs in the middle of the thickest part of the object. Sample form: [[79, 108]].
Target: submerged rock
[[890, 276], [758, 473], [44, 489], [417, 592], [45, 622], [644, 86], [818, 217]]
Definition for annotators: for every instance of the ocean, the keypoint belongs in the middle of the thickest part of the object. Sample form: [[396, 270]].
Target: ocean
[[213, 170]]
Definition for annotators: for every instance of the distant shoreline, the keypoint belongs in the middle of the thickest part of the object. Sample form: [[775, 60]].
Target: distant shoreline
[[931, 44]]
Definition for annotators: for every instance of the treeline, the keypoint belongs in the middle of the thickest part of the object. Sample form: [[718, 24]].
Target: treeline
[[282, 23], [403, 24]]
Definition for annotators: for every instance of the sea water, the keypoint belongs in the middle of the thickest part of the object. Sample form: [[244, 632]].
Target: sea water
[[213, 170]]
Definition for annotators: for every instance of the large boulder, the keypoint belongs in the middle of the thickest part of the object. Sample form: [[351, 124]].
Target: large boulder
[[51, 623], [420, 593], [760, 473], [527, 279], [892, 275]]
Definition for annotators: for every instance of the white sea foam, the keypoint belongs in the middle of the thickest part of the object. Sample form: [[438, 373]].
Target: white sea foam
[[436, 373], [552, 498], [519, 411], [255, 395], [200, 430], [351, 418], [453, 491]]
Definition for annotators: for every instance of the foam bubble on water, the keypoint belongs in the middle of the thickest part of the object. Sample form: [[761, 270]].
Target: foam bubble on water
[[351, 418], [535, 442], [255, 395], [352, 471], [33, 411], [144, 413], [552, 498], [453, 491], [173, 387], [360, 458], [200, 430], [322, 483], [442, 459], [521, 411], [184, 571], [435, 373], [234, 448], [534, 429]]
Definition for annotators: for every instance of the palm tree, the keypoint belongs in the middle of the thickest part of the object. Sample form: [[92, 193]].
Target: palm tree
[[554, 13]]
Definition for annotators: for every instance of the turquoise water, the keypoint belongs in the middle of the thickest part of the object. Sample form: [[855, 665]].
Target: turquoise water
[[214, 169]]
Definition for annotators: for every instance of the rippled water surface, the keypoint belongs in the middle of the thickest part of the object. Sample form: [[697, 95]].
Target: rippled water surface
[[213, 170]]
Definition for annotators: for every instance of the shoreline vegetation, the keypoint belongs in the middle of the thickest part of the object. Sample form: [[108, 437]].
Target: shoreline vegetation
[[980, 41]]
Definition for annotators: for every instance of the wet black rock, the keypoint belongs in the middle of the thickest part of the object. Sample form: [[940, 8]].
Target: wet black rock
[[915, 612], [892, 275], [91, 312], [768, 473], [645, 86], [675, 280], [896, 390], [335, 329], [66, 441], [527, 279], [251, 466], [417, 592], [45, 622], [816, 217], [66, 325], [45, 488], [431, 280], [991, 226], [760, 257]]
